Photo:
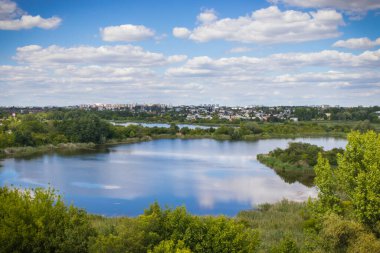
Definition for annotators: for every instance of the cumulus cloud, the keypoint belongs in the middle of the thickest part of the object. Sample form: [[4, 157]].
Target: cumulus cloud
[[357, 43], [13, 18], [177, 58], [57, 75], [9, 9], [248, 67], [125, 55], [253, 79], [128, 32], [61, 74], [352, 7], [207, 16], [333, 79], [270, 25], [181, 32]]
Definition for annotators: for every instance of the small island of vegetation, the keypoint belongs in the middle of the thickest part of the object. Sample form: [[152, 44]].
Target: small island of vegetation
[[296, 162]]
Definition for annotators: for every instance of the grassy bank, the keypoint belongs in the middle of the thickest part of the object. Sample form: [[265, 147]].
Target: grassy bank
[[277, 223], [27, 151], [255, 137]]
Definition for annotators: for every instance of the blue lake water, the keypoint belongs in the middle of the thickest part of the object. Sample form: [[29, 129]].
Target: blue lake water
[[207, 176]]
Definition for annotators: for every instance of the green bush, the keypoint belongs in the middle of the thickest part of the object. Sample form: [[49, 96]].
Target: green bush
[[38, 221], [174, 230]]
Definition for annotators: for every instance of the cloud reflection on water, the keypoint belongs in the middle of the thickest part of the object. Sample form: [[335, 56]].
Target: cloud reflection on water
[[252, 189], [218, 177]]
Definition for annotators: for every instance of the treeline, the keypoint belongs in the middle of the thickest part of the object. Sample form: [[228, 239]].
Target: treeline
[[37, 129], [345, 217], [305, 113], [77, 126]]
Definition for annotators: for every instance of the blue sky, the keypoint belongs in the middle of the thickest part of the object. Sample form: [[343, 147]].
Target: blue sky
[[276, 52]]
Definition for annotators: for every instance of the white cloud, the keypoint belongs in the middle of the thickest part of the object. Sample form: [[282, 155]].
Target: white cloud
[[352, 7], [119, 74], [126, 32], [8, 9], [253, 79], [237, 50], [207, 16], [13, 18], [125, 55], [248, 67], [357, 43], [270, 25], [28, 22], [330, 78], [177, 58], [181, 32]]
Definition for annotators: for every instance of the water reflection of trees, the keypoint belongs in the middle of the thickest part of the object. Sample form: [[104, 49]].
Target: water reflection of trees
[[304, 177], [65, 153]]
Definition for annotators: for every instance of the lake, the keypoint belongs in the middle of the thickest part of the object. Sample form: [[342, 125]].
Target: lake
[[207, 176], [164, 125]]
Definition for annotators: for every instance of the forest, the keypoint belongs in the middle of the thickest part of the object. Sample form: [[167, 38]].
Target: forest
[[49, 130]]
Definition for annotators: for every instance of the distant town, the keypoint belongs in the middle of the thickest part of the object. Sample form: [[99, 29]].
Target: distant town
[[215, 111]]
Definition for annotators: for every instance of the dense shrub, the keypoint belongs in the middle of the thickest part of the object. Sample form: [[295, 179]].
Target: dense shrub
[[38, 221]]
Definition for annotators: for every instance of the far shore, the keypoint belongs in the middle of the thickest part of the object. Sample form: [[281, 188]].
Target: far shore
[[19, 152]]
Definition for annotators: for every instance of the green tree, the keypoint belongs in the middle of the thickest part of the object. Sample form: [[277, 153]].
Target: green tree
[[358, 174], [39, 221], [355, 183], [86, 128], [341, 235], [286, 245], [326, 183], [170, 247]]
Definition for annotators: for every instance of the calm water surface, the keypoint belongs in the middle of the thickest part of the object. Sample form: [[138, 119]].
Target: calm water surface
[[207, 176]]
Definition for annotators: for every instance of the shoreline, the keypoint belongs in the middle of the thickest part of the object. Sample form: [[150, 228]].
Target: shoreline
[[19, 152]]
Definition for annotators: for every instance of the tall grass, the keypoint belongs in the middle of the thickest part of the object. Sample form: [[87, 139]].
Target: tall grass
[[277, 221]]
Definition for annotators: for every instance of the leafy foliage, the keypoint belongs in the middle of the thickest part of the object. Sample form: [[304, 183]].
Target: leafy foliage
[[159, 230], [296, 162], [347, 212], [355, 183], [341, 235], [39, 221]]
